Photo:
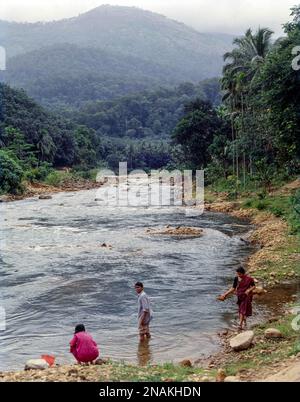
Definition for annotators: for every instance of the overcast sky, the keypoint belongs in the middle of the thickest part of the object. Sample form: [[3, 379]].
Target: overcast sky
[[231, 16]]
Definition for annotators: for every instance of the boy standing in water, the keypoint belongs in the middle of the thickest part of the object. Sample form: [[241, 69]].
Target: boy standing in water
[[243, 286], [144, 312]]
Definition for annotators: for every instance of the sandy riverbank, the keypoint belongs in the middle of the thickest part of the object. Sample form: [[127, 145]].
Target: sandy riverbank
[[40, 189]]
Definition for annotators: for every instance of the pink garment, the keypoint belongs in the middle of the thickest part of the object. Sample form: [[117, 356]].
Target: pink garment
[[83, 347]]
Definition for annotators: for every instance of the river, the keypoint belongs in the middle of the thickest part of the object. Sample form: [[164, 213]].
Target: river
[[55, 274]]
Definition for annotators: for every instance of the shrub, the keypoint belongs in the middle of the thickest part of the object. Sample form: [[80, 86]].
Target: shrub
[[294, 218], [58, 178], [10, 174], [277, 211], [256, 203], [55, 178], [38, 173]]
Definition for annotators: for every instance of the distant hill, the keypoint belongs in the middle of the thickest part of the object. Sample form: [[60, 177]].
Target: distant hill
[[66, 74], [150, 44]]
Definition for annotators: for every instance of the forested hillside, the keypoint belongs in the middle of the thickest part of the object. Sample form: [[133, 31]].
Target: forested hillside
[[151, 114], [32, 140], [173, 50], [68, 75], [113, 108], [261, 107]]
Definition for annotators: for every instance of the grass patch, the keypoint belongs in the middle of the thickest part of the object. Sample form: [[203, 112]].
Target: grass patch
[[156, 373], [58, 178], [286, 207], [286, 263]]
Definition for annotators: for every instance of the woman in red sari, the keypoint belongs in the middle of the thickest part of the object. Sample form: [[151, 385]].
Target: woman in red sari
[[243, 286]]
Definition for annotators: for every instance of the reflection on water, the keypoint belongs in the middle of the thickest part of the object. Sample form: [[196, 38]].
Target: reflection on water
[[144, 353], [54, 274]]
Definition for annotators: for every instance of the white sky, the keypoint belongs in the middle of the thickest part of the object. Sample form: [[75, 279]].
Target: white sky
[[231, 16]]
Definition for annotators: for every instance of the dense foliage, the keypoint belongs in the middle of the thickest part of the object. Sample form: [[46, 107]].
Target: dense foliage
[[10, 173], [198, 131], [261, 103], [112, 109], [34, 139], [151, 114], [67, 75]]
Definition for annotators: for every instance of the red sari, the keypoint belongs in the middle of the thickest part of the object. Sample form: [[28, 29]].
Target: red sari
[[245, 301]]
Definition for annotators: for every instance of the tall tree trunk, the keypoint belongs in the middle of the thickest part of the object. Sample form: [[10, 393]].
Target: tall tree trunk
[[232, 138]]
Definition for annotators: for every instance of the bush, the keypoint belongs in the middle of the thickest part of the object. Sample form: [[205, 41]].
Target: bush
[[256, 204], [58, 178], [86, 174], [55, 178], [262, 195], [10, 174], [213, 173], [38, 173], [277, 211], [294, 218]]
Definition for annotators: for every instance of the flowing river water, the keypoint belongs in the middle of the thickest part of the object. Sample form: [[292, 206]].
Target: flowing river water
[[55, 274]]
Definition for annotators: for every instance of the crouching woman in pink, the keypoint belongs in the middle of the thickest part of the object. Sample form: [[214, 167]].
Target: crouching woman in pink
[[82, 346]]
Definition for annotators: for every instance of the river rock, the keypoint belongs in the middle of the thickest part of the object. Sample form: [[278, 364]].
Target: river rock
[[45, 197], [36, 364], [220, 376], [294, 311], [259, 290], [105, 245], [272, 333], [186, 363], [232, 378], [4, 198], [242, 341], [100, 362], [273, 319], [224, 333]]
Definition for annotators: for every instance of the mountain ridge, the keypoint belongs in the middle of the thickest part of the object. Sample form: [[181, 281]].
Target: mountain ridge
[[107, 52], [130, 31]]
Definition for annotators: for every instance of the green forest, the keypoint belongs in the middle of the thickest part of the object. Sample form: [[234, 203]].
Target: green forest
[[243, 128], [256, 130]]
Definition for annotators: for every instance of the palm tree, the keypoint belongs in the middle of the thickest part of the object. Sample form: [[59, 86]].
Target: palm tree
[[243, 63], [45, 146], [245, 60], [251, 50]]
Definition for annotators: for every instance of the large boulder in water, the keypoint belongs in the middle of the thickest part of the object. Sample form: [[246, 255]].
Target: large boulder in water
[[36, 364], [45, 197], [242, 341]]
